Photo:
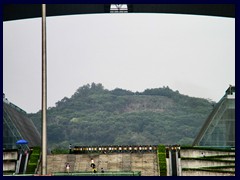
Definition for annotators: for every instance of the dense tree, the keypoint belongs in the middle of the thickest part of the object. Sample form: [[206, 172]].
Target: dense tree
[[97, 116]]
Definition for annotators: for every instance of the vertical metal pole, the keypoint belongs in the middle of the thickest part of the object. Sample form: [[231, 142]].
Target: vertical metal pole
[[44, 93]]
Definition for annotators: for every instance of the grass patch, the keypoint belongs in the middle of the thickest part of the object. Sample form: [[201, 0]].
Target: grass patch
[[33, 160], [218, 167], [162, 160], [208, 170]]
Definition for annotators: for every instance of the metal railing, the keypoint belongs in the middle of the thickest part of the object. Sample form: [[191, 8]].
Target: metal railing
[[108, 173], [114, 149]]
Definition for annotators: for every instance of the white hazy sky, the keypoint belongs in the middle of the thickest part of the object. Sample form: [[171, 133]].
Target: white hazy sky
[[192, 54]]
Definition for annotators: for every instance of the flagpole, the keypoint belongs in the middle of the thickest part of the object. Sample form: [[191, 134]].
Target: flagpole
[[44, 94]]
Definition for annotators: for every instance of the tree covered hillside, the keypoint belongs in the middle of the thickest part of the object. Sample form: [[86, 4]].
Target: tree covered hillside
[[97, 116]]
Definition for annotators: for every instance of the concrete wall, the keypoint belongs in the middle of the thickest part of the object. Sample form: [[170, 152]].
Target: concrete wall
[[9, 160], [12, 155], [9, 166], [200, 153], [201, 163], [145, 162]]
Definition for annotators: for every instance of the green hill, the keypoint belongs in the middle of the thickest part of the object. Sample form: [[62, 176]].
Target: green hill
[[97, 116]]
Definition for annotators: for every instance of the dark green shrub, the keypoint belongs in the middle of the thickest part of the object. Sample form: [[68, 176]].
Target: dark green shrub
[[60, 151]]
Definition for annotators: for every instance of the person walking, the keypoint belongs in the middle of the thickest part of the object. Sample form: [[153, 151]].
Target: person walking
[[68, 167], [70, 148], [92, 163], [94, 170]]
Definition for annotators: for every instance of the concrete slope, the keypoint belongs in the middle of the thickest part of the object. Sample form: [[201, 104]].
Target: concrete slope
[[144, 162]]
